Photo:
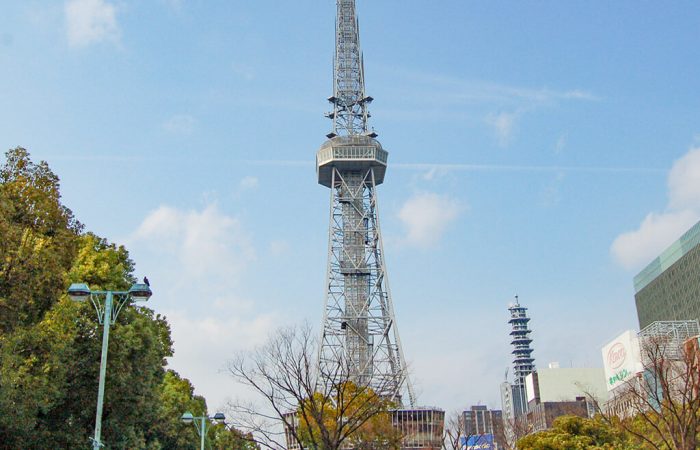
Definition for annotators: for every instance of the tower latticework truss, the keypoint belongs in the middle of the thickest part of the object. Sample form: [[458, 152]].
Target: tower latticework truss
[[359, 340]]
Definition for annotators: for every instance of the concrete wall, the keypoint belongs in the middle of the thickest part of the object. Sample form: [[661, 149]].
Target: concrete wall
[[565, 384]]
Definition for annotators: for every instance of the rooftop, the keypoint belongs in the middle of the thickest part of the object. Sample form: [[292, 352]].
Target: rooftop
[[668, 257]]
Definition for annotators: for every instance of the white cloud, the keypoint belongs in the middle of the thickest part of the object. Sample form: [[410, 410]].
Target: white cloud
[[551, 194], [454, 91], [243, 70], [426, 216], [684, 181], [578, 94], [446, 388], [430, 174], [180, 124], [175, 5], [560, 144], [440, 97], [503, 124], [249, 183], [279, 247], [196, 260], [205, 242], [634, 249], [91, 21], [656, 232], [203, 347], [448, 99]]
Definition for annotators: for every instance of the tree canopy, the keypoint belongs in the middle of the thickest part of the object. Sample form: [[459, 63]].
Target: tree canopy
[[578, 433], [50, 346], [39, 240], [352, 416]]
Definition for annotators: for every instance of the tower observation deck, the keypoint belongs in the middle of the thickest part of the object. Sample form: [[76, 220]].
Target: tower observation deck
[[359, 332]]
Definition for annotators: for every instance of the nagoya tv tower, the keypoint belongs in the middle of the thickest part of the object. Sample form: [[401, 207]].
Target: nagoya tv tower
[[359, 328]]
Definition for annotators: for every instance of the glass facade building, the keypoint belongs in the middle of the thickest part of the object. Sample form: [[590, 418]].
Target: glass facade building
[[669, 287], [481, 421]]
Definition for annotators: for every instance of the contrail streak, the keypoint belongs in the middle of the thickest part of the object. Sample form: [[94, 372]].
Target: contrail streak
[[446, 167], [477, 167]]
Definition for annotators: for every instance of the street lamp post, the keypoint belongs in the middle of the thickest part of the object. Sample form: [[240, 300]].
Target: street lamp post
[[107, 313], [201, 422]]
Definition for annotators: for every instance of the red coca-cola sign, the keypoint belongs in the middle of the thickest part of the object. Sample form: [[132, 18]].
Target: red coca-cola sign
[[616, 356]]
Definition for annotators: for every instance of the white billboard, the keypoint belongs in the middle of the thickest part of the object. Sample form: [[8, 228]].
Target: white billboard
[[530, 387], [621, 359]]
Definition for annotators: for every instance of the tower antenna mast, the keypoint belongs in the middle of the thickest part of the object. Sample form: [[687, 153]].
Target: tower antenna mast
[[349, 114]]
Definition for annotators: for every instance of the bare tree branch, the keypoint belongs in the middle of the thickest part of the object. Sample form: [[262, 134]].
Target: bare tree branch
[[300, 407], [664, 399]]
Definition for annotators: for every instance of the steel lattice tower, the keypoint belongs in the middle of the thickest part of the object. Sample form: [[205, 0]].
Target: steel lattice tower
[[359, 329]]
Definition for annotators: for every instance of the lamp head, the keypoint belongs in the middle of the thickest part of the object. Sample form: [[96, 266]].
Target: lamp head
[[79, 292], [219, 417], [140, 292], [187, 418]]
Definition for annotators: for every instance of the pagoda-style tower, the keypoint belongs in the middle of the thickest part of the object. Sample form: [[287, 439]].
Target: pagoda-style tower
[[523, 362], [359, 332]]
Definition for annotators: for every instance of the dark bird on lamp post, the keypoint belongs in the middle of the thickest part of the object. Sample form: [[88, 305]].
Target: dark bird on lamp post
[[145, 281]]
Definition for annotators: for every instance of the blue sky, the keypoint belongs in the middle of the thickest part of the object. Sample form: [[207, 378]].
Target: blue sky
[[545, 149]]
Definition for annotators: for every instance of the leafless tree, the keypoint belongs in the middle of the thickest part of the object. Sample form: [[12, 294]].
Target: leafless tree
[[453, 432], [663, 401], [300, 408], [512, 430]]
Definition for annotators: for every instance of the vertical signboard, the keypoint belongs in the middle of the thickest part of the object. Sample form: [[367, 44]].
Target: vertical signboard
[[530, 387], [621, 359]]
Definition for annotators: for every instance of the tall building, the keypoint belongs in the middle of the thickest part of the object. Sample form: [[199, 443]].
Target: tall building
[[547, 388], [513, 395], [507, 410], [479, 421], [360, 339], [555, 384], [669, 287], [543, 414], [523, 362]]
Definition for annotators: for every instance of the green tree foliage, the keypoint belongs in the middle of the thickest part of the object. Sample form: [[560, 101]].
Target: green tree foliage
[[176, 397], [223, 438], [50, 346], [103, 266], [658, 429], [49, 370], [578, 433], [39, 240]]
